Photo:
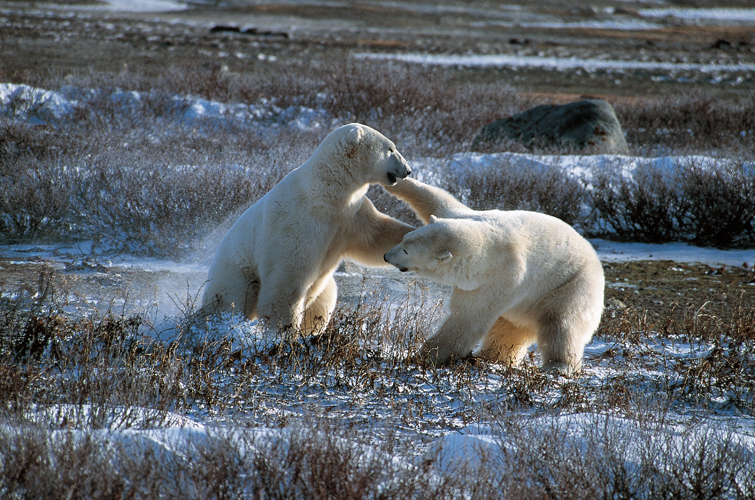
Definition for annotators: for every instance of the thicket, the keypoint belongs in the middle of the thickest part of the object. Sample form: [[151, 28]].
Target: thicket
[[139, 179]]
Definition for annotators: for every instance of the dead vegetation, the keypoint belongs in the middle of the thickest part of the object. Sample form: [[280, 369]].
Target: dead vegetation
[[360, 407]]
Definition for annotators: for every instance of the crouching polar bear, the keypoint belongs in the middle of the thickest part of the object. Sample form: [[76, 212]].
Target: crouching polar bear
[[519, 278], [278, 260]]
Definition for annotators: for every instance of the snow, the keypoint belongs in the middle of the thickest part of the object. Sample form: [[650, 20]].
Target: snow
[[140, 6], [40, 107], [477, 444], [605, 24], [714, 14], [611, 251], [37, 106], [489, 446], [557, 63]]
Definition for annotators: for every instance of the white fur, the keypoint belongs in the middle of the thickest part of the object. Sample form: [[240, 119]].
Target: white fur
[[277, 261], [518, 277]]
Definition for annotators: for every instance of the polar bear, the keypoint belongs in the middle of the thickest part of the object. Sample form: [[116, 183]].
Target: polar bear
[[278, 260], [518, 278]]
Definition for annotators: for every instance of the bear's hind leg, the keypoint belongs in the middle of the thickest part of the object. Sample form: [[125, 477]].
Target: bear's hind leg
[[506, 342], [250, 300], [231, 291], [281, 305], [569, 317], [561, 345], [318, 311]]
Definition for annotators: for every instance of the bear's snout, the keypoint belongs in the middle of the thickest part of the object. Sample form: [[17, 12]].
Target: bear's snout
[[393, 177], [390, 258], [399, 169]]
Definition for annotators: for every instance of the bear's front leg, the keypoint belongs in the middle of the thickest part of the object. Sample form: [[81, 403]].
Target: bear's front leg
[[320, 308], [471, 316], [426, 200], [372, 234], [457, 337]]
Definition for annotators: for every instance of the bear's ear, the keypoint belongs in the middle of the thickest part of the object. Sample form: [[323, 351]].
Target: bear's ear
[[355, 134], [444, 256], [433, 219], [350, 142]]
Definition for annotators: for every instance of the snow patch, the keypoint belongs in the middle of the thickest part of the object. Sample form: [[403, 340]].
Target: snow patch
[[711, 14], [556, 63], [142, 6]]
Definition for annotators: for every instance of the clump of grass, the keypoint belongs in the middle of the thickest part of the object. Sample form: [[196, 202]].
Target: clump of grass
[[721, 204], [722, 374], [35, 203], [645, 208]]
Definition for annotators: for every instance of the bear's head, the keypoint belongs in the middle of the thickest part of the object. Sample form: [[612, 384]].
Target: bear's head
[[371, 158], [445, 250]]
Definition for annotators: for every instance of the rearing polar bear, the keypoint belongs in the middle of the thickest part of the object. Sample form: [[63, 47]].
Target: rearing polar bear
[[518, 277], [278, 259]]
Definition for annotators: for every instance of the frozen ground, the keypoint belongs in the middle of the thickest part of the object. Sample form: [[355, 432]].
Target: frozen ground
[[456, 431], [633, 48]]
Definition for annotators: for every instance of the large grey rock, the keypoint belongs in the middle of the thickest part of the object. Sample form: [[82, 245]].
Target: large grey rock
[[585, 126]]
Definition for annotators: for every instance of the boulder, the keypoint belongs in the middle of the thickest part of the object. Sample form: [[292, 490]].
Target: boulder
[[586, 126]]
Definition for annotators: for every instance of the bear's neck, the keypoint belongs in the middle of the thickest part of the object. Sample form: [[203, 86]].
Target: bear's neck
[[336, 200], [470, 266], [341, 185]]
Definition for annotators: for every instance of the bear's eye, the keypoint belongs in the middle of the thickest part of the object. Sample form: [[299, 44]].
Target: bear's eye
[[404, 249]]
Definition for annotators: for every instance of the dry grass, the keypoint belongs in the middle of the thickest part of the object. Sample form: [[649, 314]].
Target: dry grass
[[358, 407], [692, 123], [500, 187]]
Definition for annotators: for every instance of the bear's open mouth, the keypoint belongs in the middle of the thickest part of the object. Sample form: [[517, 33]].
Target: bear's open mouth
[[391, 178], [403, 269]]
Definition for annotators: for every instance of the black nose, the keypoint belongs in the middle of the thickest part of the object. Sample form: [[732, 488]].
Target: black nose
[[384, 257]]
